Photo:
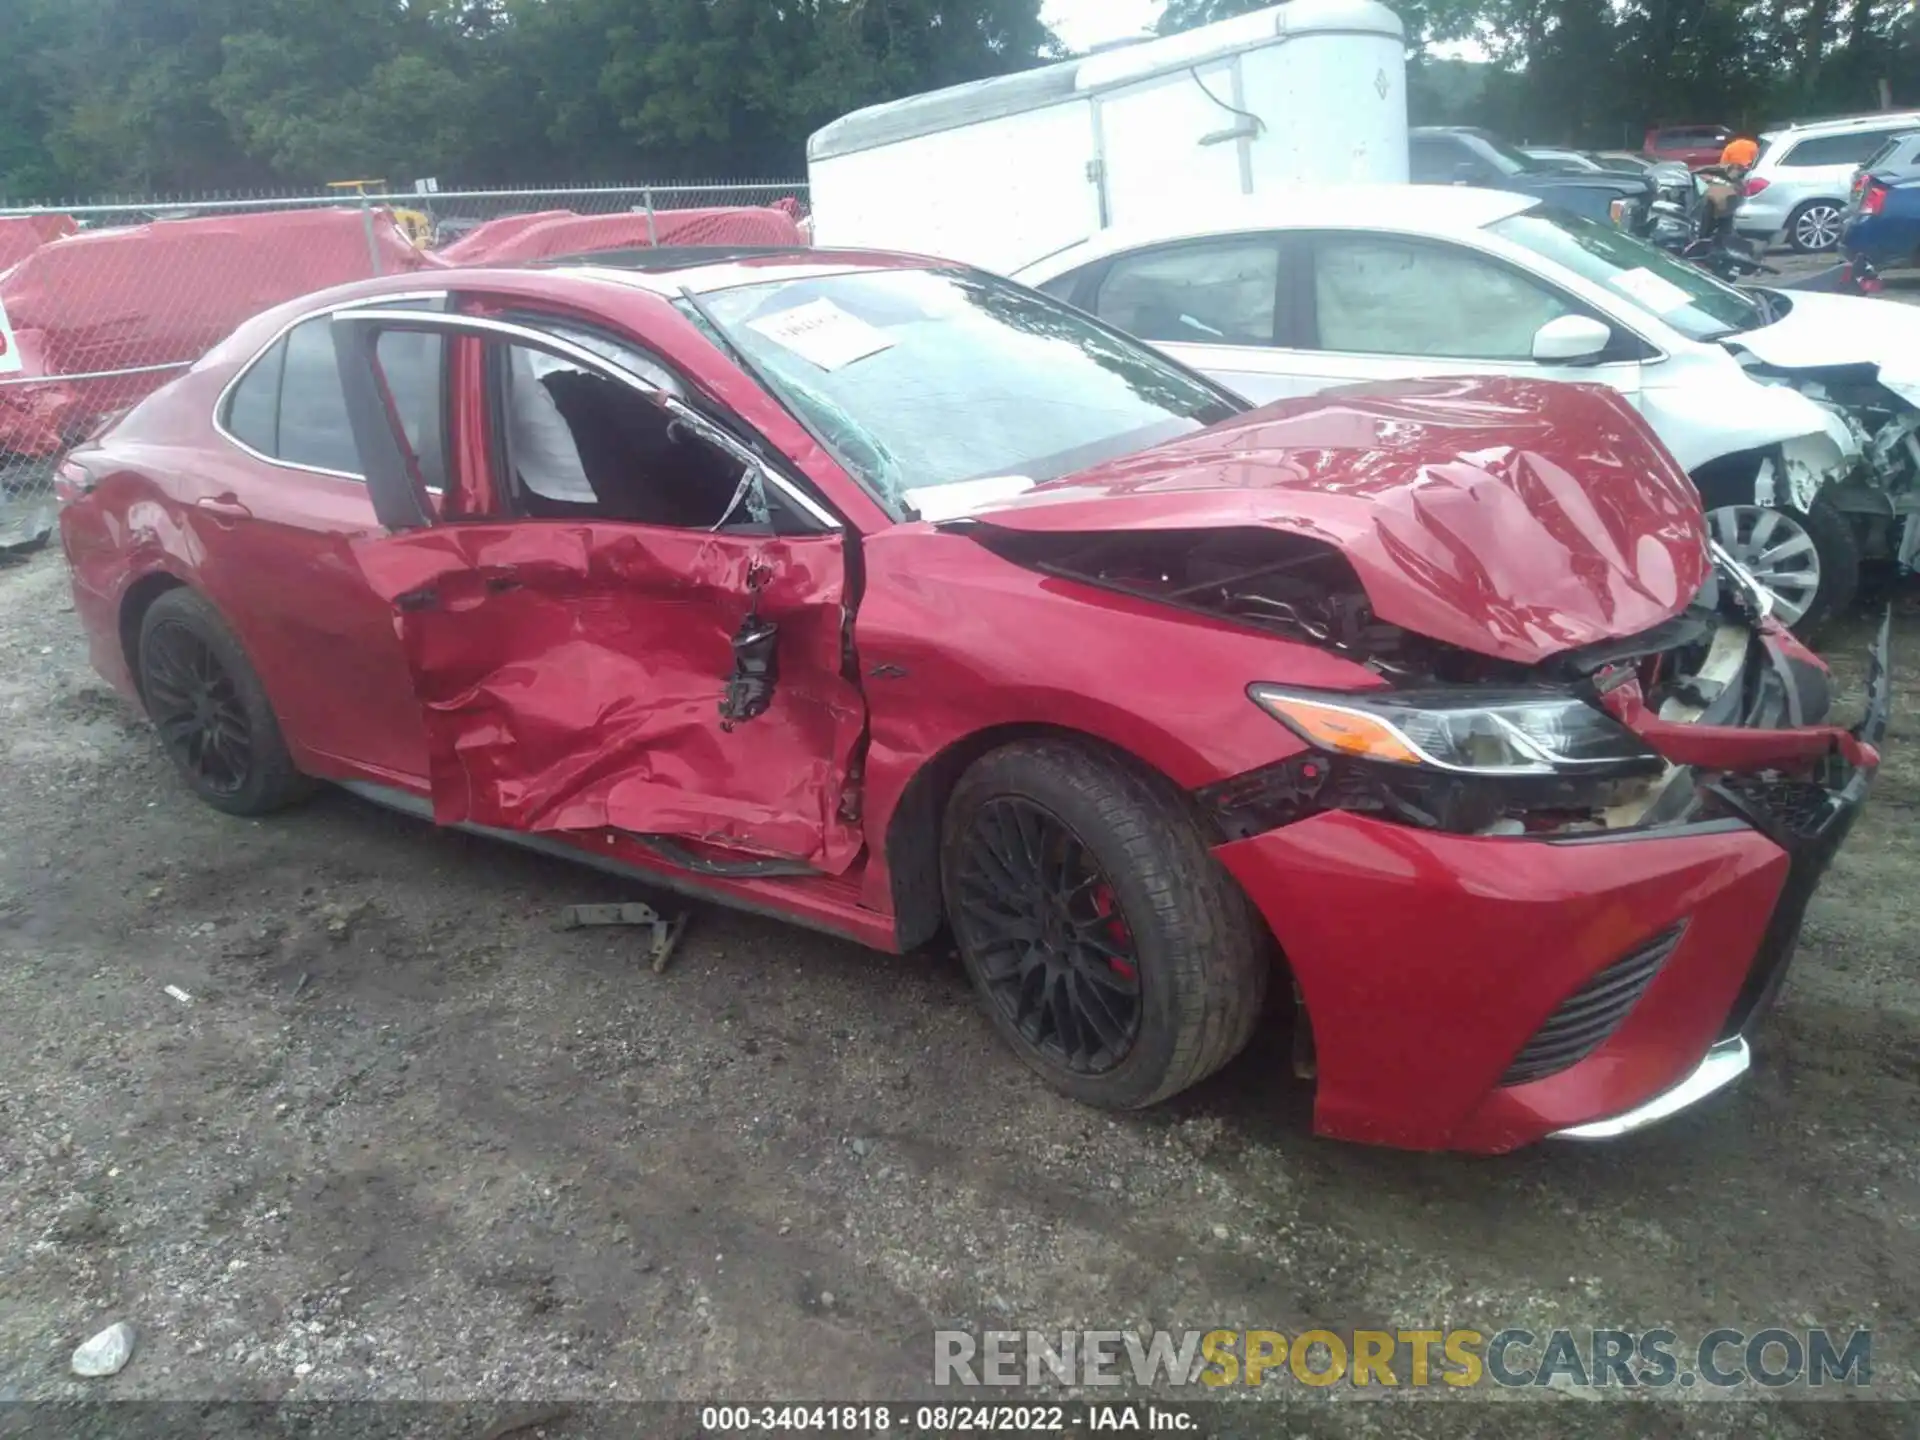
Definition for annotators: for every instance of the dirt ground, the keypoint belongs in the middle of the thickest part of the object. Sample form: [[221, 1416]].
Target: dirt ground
[[410, 1140]]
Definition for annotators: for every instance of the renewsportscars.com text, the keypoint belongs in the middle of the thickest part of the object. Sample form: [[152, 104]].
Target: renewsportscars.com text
[[1772, 1358]]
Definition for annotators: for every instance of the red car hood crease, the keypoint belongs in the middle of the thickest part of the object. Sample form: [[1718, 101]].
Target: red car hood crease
[[1515, 518]]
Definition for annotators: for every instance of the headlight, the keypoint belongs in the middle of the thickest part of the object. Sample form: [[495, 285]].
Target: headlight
[[1486, 733]]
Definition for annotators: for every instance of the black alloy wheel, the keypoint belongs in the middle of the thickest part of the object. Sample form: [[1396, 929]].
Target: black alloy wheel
[[1054, 953], [196, 706], [1110, 949], [211, 709]]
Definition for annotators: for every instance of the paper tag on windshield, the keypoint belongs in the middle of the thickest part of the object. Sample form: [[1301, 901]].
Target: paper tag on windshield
[[823, 334], [10, 360], [950, 502], [1657, 294]]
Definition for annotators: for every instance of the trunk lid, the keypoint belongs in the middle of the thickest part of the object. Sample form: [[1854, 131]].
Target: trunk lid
[[1514, 518]]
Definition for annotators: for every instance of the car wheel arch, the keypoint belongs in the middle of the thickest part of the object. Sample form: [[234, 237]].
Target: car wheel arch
[[135, 601], [1801, 491], [913, 828]]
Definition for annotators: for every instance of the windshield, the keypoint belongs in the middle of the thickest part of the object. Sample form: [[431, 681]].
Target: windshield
[[1562, 160], [1509, 160], [924, 379], [1688, 299]]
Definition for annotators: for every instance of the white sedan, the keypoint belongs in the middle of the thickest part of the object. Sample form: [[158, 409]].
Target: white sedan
[[1796, 414]]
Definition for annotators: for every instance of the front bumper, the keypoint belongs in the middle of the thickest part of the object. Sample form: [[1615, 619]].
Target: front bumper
[[1429, 961], [1725, 1063]]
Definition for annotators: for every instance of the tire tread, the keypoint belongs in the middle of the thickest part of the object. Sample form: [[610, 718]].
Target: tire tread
[[1206, 930], [275, 782]]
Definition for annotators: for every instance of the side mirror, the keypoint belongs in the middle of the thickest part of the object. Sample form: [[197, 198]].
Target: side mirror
[[1466, 173], [1571, 340]]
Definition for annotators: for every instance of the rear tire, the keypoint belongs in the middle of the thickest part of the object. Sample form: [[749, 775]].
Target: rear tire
[[1077, 888], [1814, 228], [215, 721]]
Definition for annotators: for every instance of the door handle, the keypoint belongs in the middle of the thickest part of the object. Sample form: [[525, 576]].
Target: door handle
[[224, 507]]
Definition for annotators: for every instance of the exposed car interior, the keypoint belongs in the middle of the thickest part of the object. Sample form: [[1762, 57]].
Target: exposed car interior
[[580, 444]]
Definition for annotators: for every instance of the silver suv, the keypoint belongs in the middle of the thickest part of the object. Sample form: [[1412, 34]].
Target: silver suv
[[1800, 184]]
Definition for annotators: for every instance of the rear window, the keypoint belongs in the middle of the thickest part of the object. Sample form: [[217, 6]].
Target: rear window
[[1897, 151], [1882, 153]]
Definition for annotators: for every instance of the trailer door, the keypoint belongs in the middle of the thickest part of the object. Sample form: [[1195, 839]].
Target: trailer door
[[1175, 142]]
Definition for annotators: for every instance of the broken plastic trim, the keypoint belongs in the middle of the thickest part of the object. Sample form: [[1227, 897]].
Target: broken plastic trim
[[756, 662], [1458, 803], [1288, 585], [672, 850]]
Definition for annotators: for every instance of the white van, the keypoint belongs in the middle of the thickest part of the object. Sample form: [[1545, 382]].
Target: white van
[[1002, 172]]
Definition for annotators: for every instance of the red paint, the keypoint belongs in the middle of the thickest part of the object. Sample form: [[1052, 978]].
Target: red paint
[[571, 675], [1695, 155], [518, 239], [1727, 747], [1428, 961], [90, 302], [565, 678], [1512, 517]]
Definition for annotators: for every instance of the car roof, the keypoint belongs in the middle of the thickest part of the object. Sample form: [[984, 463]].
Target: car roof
[[1422, 209], [1876, 120]]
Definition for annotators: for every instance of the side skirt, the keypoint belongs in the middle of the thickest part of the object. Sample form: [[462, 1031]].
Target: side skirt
[[826, 913]]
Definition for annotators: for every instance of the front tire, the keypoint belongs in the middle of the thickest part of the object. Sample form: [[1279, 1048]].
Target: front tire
[[211, 710], [1108, 947], [1808, 559]]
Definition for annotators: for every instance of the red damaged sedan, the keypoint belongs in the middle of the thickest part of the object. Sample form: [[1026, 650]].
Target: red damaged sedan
[[900, 601]]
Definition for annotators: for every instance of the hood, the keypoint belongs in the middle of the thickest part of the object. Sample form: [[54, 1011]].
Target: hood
[[1820, 331], [1614, 182], [1516, 518]]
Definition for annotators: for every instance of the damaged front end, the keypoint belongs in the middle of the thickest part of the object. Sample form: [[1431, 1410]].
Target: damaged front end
[[1716, 713], [1881, 490]]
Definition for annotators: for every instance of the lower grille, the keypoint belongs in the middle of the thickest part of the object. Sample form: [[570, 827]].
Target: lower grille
[[1592, 1013], [1789, 810]]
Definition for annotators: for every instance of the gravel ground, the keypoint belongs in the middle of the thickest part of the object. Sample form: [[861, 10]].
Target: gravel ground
[[410, 1140]]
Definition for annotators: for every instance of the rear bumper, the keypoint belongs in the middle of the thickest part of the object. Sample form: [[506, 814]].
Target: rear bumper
[[1882, 240], [1429, 961]]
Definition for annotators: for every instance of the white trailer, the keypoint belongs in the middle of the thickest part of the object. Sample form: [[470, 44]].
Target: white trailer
[[1003, 172]]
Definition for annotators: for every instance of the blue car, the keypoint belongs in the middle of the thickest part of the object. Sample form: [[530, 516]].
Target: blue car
[[1883, 223]]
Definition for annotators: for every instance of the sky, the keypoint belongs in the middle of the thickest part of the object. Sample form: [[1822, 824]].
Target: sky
[[1082, 24], [1086, 23]]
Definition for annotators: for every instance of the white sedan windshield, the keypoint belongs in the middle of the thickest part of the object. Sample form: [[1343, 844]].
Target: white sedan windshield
[[1688, 299]]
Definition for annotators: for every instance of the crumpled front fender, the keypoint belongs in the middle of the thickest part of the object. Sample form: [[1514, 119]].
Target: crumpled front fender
[[1810, 463], [1816, 446]]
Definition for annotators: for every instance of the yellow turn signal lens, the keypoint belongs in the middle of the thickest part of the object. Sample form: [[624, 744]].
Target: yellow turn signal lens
[[1343, 731]]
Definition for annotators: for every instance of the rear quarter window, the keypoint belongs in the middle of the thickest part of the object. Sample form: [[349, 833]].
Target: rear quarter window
[[253, 409], [314, 428]]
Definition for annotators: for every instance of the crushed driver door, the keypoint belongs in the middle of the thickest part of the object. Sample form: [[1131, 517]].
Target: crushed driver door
[[685, 686]]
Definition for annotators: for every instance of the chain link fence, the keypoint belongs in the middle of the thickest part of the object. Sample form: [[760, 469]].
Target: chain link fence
[[104, 302]]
